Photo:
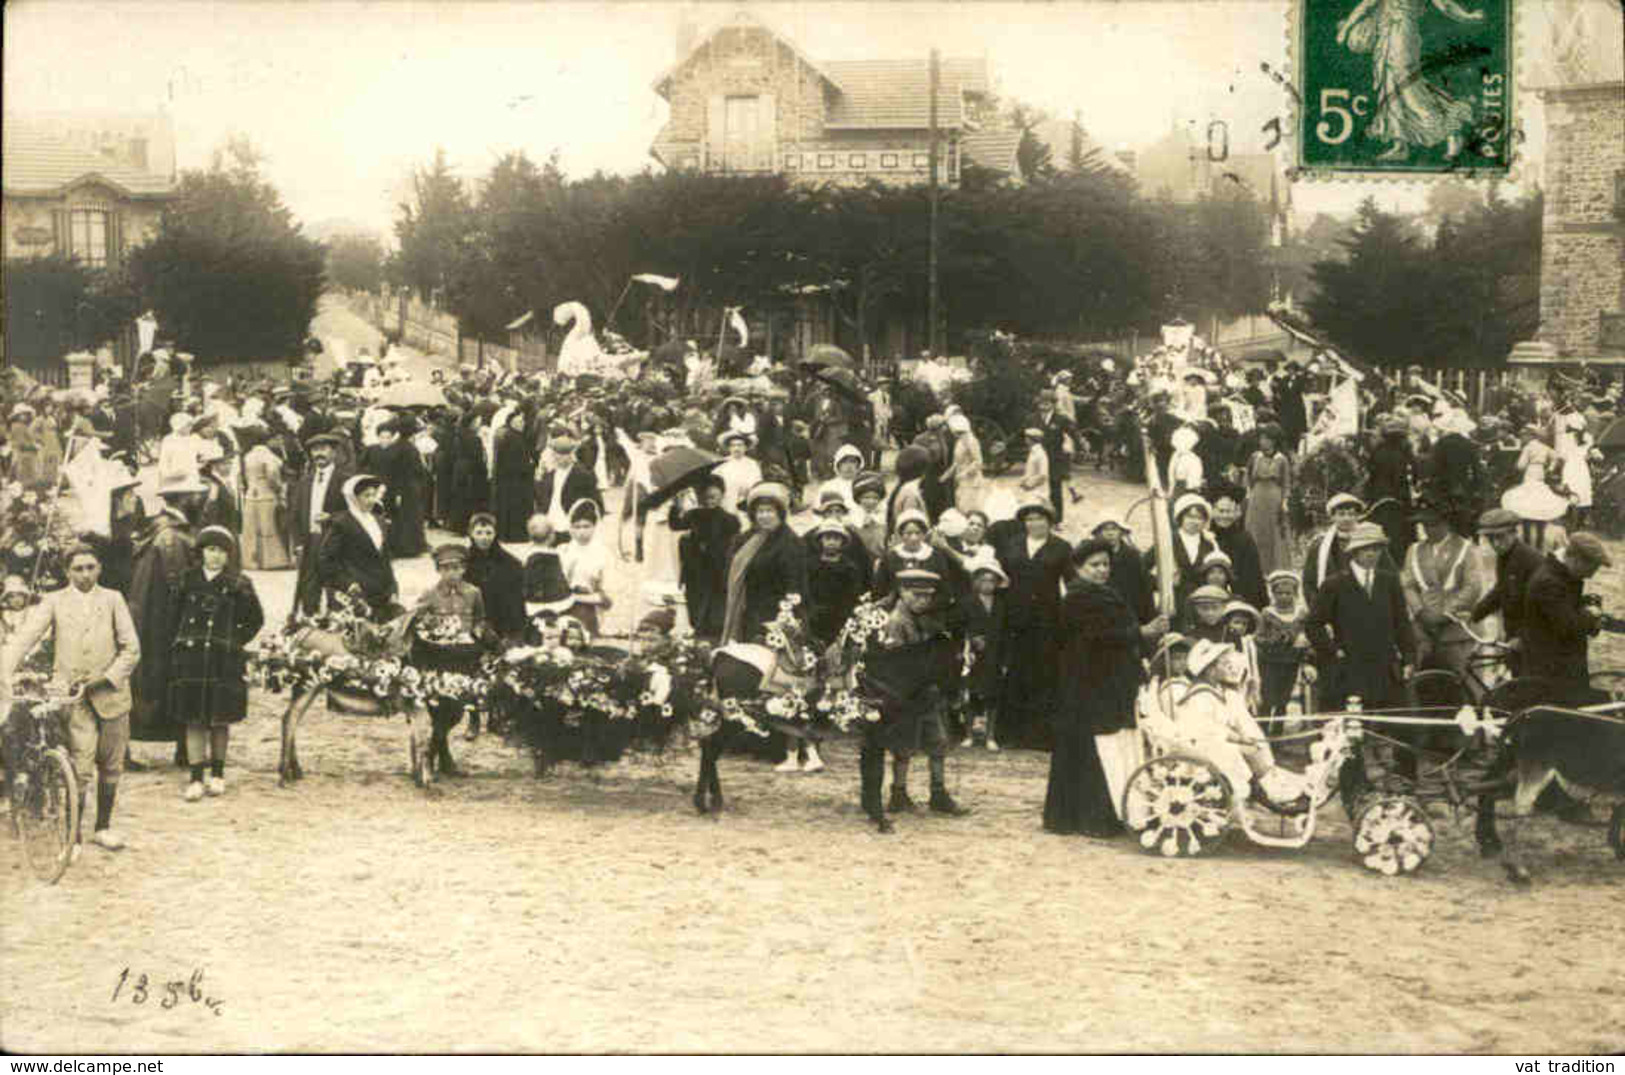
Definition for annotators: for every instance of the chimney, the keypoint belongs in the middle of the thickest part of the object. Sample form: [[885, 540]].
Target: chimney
[[137, 152], [687, 33]]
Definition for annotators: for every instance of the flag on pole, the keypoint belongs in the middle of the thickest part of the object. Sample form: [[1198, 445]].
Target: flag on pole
[[664, 283], [737, 322]]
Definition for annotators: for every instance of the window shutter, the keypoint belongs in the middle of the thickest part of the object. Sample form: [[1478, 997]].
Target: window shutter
[[115, 238], [767, 152], [61, 236], [716, 133]]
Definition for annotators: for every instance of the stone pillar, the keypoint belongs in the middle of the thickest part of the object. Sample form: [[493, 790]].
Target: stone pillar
[[81, 369]]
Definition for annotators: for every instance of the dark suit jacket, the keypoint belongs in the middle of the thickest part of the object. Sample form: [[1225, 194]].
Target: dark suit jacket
[[1512, 574], [299, 500], [1375, 634], [1555, 627], [579, 484], [778, 569], [348, 556]]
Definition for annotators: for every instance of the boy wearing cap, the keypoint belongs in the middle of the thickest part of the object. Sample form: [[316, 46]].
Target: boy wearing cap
[[1557, 626], [1515, 564], [833, 508], [985, 617], [870, 519], [912, 722], [1328, 553], [1361, 629]]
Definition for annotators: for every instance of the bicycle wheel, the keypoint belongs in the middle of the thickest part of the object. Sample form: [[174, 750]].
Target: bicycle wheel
[[45, 811]]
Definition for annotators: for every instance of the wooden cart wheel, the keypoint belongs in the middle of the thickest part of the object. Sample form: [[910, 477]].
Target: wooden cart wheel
[[995, 445], [1177, 806], [1392, 835]]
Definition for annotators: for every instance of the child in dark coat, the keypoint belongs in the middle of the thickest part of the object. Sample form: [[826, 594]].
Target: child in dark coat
[[984, 614]]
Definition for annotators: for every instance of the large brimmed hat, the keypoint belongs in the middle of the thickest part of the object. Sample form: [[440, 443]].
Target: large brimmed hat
[[584, 509], [1036, 506], [913, 515], [1211, 593], [1189, 501], [735, 434], [847, 451], [1110, 520], [1217, 558], [331, 440], [1204, 653], [830, 526], [1497, 519], [830, 499], [1341, 500], [1282, 575], [218, 537], [1395, 427], [868, 482], [1366, 535], [562, 442], [976, 565], [1239, 607], [775, 493]]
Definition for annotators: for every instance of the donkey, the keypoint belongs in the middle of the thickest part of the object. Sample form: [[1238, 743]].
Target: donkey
[[394, 641]]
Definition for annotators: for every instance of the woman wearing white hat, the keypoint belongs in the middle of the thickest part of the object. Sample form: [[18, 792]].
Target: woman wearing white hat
[[180, 454], [1575, 447], [964, 475], [1532, 500], [1034, 484], [25, 450], [739, 473], [1185, 473]]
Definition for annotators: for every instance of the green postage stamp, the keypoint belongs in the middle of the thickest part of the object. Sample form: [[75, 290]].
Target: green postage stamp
[[1405, 86]]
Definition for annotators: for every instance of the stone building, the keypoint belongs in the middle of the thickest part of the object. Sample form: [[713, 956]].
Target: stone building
[[1582, 259], [90, 187], [745, 98]]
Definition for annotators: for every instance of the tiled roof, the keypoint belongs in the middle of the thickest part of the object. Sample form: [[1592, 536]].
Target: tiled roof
[[896, 94], [34, 162], [991, 149]]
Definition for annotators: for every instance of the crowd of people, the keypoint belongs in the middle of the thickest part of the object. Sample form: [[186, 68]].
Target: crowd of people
[[1059, 638]]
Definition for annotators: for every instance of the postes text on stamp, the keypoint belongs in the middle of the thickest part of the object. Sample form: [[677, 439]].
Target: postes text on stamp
[[1405, 86]]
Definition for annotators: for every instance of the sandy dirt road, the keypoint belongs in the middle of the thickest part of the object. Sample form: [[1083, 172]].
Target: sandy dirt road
[[596, 912]]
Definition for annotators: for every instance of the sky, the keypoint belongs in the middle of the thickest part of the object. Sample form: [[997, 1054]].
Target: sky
[[344, 99]]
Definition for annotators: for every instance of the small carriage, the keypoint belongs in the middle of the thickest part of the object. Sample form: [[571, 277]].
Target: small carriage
[[1179, 803]]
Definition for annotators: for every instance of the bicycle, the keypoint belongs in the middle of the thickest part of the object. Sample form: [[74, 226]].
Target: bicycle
[[43, 790]]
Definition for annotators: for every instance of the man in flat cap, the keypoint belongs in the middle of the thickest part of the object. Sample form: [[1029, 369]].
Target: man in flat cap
[[1515, 564], [1556, 626]]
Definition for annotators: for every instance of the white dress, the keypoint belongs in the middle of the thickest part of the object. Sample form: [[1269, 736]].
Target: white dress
[[1575, 453], [738, 476], [1532, 499]]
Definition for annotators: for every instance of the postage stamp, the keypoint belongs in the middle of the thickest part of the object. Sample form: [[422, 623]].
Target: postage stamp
[[1405, 86]]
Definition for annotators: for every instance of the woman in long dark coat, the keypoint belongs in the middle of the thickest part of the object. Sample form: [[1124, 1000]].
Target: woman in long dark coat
[[702, 554], [1036, 561], [513, 480], [396, 460], [1099, 670], [208, 672], [470, 482], [768, 564]]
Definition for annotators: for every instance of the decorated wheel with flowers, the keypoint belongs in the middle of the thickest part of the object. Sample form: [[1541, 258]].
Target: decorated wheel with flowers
[[1392, 834], [1177, 806]]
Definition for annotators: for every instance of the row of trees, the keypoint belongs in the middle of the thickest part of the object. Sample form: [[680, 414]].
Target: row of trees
[[1457, 288], [1077, 252]]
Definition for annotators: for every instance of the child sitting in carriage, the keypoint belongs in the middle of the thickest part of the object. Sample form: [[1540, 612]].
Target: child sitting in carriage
[[1210, 720]]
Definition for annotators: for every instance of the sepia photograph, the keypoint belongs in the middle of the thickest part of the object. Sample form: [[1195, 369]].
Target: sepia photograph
[[496, 496]]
